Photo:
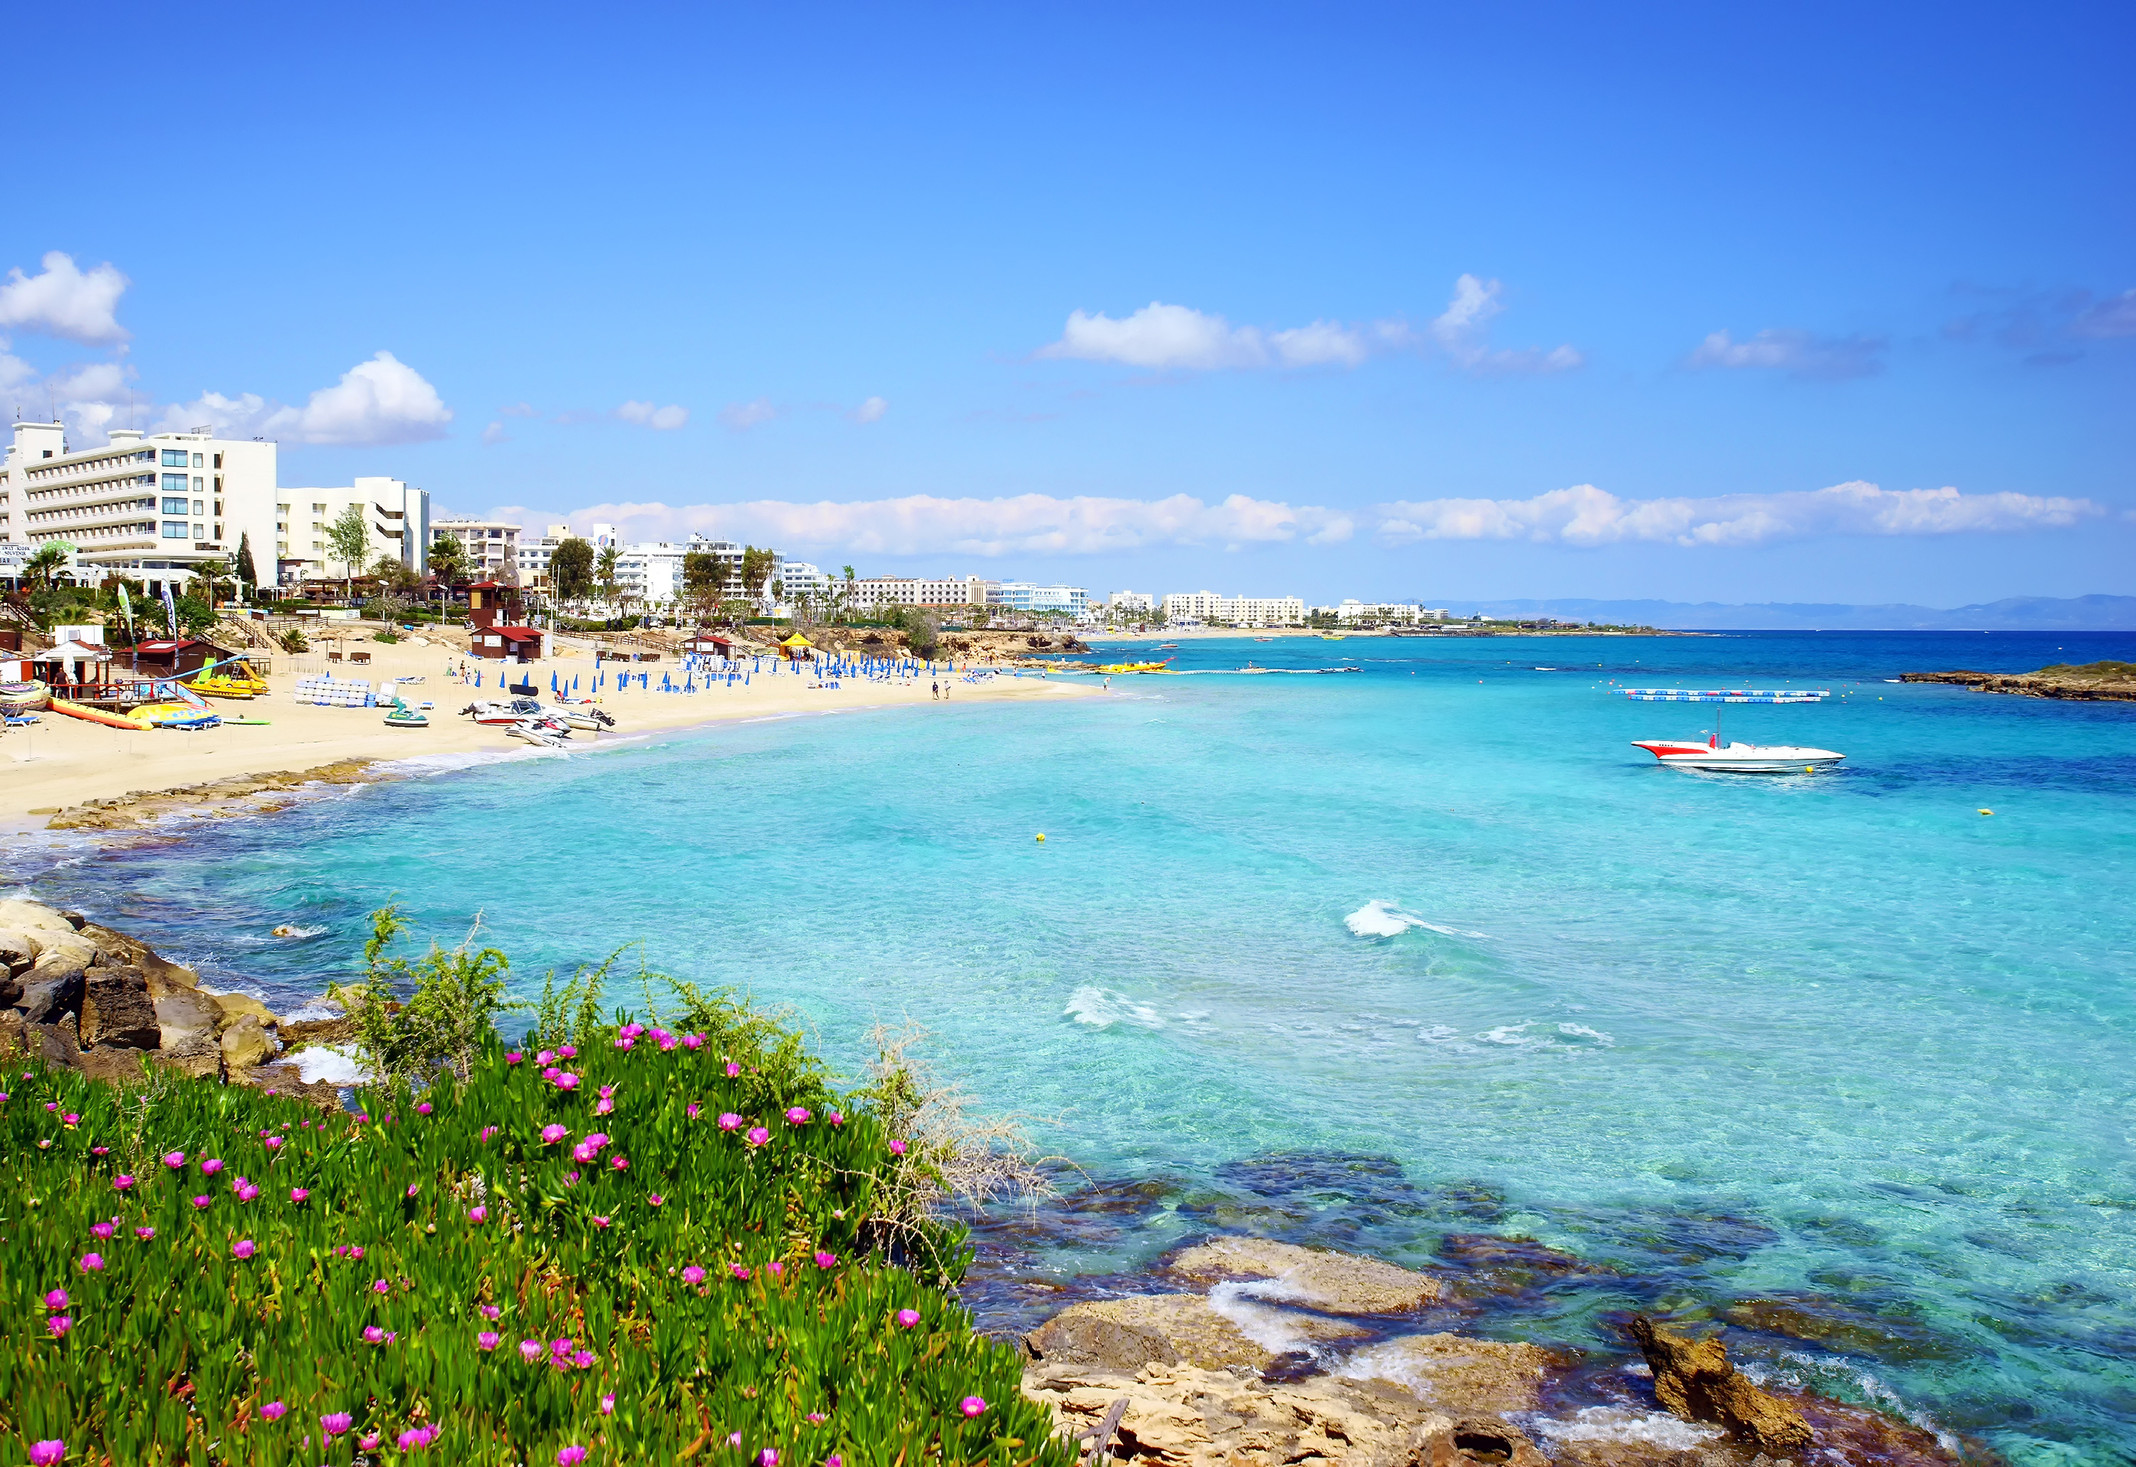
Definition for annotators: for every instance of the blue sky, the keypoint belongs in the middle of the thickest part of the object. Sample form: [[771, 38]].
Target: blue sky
[[1388, 302]]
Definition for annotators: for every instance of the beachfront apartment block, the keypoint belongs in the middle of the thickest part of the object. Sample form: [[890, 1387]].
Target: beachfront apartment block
[[1236, 611], [1381, 613], [1040, 600], [942, 592], [150, 506], [395, 515], [1131, 603], [534, 556], [492, 546]]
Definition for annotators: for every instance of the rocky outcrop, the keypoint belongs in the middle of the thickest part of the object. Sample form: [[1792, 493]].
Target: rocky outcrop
[[220, 796], [1335, 1283], [1695, 1381], [117, 1010], [2110, 682], [1183, 1416], [245, 1045], [1123, 1335], [1457, 1375]]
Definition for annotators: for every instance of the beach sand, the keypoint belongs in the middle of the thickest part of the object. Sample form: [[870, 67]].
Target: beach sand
[[63, 761]]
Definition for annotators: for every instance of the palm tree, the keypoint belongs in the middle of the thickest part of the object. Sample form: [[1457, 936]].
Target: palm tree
[[605, 572], [43, 567]]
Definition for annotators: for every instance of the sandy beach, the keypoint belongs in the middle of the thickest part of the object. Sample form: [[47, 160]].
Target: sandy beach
[[62, 762]]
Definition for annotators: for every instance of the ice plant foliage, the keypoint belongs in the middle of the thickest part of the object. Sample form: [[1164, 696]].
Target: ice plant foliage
[[317, 1283]]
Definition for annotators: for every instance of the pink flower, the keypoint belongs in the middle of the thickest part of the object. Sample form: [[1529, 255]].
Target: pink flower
[[298, 1194], [834, 1460], [603, 1107], [487, 1340], [356, 1251], [836, 1118], [211, 1166], [584, 1359], [826, 1260], [59, 1324], [380, 1286], [490, 1311], [414, 1187], [246, 1191], [103, 1230], [567, 1081], [243, 1248], [600, 1222], [570, 1456], [567, 1051], [92, 1263], [608, 1404], [57, 1299], [734, 1439], [174, 1159], [100, 1151], [530, 1350], [907, 1318], [513, 1057], [971, 1406], [631, 1031], [740, 1270], [797, 1116], [333, 1423], [423, 1109], [666, 1041], [561, 1348], [733, 1069], [274, 1143], [368, 1441], [608, 1092], [121, 1182], [691, 1110], [550, 1135], [478, 1213], [758, 1135], [897, 1148], [625, 1043], [552, 1074], [44, 1454], [489, 1133], [144, 1234], [693, 1275], [618, 1164], [273, 1410], [582, 1153], [656, 1199], [767, 1458], [728, 1120], [70, 1120], [817, 1418], [778, 1269], [374, 1335], [692, 1041], [415, 1438], [547, 1056]]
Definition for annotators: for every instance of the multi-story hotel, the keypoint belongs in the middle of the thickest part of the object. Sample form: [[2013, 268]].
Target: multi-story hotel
[[1381, 613], [146, 505], [1207, 606], [943, 592], [396, 517], [492, 546]]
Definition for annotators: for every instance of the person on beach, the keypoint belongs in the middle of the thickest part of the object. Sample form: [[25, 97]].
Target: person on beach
[[934, 689]]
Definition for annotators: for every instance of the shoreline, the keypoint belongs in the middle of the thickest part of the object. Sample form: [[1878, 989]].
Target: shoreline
[[63, 769], [1206, 634]]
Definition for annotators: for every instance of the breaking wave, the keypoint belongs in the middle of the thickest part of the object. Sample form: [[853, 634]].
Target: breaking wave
[[1101, 1008]]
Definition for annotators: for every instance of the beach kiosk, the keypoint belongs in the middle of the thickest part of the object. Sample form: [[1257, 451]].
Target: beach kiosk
[[71, 666], [507, 644], [797, 648]]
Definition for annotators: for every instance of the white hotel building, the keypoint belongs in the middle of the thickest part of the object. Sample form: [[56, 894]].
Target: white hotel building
[[145, 505], [935, 591], [1246, 611], [396, 516]]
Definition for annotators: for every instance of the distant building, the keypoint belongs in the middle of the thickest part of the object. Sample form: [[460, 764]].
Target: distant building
[[492, 546], [396, 518], [1041, 600], [942, 592], [1132, 603], [535, 555], [1236, 611], [1380, 613]]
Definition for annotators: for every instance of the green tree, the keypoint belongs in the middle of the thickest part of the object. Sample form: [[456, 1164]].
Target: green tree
[[703, 577], [448, 1002], [43, 567], [847, 593], [448, 558], [195, 615], [571, 570], [246, 575], [347, 538], [757, 567], [604, 571]]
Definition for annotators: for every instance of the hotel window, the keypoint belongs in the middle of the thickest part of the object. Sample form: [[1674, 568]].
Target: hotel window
[[200, 532], [173, 459], [197, 486], [174, 529], [174, 506], [199, 461], [174, 484], [218, 460], [199, 508]]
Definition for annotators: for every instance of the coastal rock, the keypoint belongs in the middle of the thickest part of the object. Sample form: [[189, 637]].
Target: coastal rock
[[316, 1031], [1168, 1329], [1695, 1381], [19, 951], [1457, 1375], [117, 1009], [245, 1044], [1183, 1416], [163, 974], [237, 1006], [32, 917], [1334, 1282], [51, 989]]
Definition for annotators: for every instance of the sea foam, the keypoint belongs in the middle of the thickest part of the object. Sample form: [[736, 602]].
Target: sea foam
[[1615, 1424], [1378, 918], [1101, 1008]]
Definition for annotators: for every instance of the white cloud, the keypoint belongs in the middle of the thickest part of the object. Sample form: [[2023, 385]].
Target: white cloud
[[494, 434], [1796, 352], [742, 416], [379, 402], [663, 418], [1166, 338], [1585, 515], [64, 301], [1022, 524], [1462, 328], [2114, 316], [871, 411]]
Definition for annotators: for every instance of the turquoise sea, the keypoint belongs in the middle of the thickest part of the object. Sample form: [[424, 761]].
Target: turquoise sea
[[1393, 959]]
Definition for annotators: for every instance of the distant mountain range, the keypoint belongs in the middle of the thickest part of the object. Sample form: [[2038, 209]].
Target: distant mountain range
[[2012, 614]]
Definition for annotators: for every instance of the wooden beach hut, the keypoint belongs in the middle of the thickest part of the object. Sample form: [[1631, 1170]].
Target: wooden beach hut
[[508, 644], [178, 658]]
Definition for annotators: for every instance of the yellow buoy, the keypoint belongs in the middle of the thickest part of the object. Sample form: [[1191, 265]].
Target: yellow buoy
[[1042, 834], [1987, 812]]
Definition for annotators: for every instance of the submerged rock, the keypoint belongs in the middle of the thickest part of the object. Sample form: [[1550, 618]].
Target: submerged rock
[[1334, 1282], [1458, 1375], [1171, 1329], [1695, 1381]]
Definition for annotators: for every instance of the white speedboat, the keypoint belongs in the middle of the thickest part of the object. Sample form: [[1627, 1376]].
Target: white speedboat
[[1712, 754], [1739, 758]]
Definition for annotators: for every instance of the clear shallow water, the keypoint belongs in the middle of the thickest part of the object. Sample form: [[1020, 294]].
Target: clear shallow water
[[1838, 1040]]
